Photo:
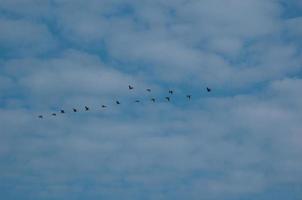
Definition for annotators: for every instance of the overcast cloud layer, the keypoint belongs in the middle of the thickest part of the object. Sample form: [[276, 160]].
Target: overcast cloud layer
[[242, 141]]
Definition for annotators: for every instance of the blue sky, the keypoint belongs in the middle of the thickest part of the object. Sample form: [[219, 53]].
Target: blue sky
[[242, 141]]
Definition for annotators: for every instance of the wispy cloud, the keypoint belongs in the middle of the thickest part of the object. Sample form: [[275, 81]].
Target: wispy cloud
[[241, 141]]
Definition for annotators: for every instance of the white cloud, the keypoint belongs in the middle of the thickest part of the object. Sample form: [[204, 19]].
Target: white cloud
[[22, 37], [242, 139]]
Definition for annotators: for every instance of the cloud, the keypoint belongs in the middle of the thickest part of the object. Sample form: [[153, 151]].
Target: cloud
[[22, 37], [216, 152], [242, 140]]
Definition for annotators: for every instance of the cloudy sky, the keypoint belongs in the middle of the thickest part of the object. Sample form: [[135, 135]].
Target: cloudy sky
[[242, 141]]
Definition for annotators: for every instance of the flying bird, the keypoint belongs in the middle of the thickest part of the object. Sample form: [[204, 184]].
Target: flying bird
[[153, 100], [86, 108], [189, 96], [149, 90], [130, 87], [168, 98], [40, 116], [209, 89], [75, 110], [117, 102], [171, 91], [62, 111]]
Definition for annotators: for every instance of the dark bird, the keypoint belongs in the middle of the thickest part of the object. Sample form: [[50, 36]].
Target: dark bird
[[153, 100], [168, 98], [75, 110], [62, 111], [171, 91], [54, 114], [117, 102], [130, 87], [209, 89], [103, 106], [189, 96], [149, 90], [86, 108], [40, 116], [137, 101]]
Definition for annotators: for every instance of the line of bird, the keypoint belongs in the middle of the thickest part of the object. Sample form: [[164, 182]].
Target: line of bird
[[168, 98]]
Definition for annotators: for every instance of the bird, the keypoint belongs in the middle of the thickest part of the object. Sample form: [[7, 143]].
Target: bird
[[62, 111], [209, 89], [75, 110], [137, 101], [103, 106], [40, 116], [168, 98], [148, 90], [189, 96], [54, 114], [153, 100], [117, 102], [86, 108], [130, 87], [171, 91]]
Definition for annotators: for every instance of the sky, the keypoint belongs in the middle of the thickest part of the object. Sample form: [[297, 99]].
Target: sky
[[242, 141]]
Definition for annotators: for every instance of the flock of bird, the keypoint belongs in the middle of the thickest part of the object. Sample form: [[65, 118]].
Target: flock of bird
[[168, 98]]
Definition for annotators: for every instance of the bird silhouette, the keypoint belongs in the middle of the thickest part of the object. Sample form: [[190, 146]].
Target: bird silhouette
[[168, 98]]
